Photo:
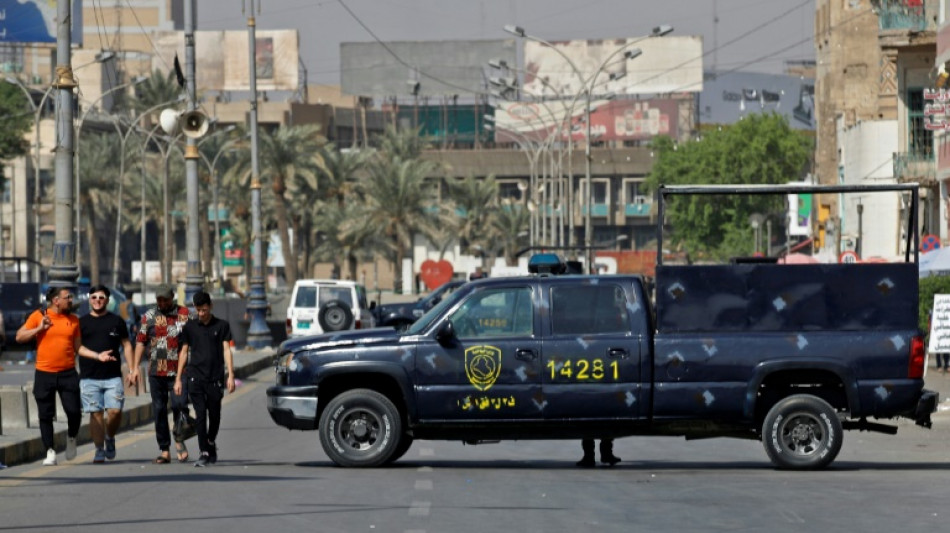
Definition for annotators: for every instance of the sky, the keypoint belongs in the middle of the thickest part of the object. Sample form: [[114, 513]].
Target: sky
[[751, 35]]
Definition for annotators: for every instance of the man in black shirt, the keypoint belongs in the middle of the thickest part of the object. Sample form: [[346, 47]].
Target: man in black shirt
[[102, 333], [205, 354]]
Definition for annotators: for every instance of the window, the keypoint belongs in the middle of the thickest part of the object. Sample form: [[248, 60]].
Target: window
[[632, 192], [600, 192], [504, 312], [589, 309], [919, 138], [509, 190]]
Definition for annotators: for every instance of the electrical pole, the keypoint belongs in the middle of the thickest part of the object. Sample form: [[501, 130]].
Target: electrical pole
[[64, 272], [194, 277], [258, 334]]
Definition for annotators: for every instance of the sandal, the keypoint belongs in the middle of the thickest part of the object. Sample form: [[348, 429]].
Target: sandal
[[162, 460], [182, 452]]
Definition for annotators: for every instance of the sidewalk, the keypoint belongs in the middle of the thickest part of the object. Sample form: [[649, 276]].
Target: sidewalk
[[23, 445]]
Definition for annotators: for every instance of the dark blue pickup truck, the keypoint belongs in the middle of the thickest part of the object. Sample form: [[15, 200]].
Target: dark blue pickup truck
[[790, 355]]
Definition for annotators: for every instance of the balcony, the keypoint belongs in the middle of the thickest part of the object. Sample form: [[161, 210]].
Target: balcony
[[909, 15], [639, 209], [917, 167]]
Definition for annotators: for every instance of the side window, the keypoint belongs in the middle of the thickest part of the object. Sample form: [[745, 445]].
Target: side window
[[361, 297], [306, 297], [503, 312], [589, 309]]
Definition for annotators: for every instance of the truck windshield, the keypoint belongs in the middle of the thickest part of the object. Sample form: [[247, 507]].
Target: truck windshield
[[425, 320]]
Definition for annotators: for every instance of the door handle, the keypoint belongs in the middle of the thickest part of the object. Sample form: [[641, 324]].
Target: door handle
[[525, 354], [618, 353]]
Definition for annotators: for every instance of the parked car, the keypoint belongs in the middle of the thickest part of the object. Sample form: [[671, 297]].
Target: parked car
[[328, 305], [402, 315], [17, 301]]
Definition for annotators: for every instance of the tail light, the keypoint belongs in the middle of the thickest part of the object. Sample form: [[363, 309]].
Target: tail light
[[290, 326], [915, 366], [359, 324]]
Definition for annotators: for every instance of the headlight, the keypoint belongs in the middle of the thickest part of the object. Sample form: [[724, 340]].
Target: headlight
[[284, 361]]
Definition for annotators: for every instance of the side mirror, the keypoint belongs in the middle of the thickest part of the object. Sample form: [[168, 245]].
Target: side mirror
[[445, 333]]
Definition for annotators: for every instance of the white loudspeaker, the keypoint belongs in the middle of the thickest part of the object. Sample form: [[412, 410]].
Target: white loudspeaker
[[194, 124], [169, 121]]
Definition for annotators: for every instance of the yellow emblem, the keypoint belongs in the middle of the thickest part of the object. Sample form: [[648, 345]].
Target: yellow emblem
[[482, 366]]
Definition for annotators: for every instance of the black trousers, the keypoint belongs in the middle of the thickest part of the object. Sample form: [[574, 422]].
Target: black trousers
[[45, 387], [206, 396], [162, 388]]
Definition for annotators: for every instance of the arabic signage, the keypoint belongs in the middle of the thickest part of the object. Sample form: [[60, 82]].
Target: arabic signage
[[31, 21], [936, 114]]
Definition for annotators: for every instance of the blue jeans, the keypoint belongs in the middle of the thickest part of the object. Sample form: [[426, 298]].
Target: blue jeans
[[101, 394], [161, 389]]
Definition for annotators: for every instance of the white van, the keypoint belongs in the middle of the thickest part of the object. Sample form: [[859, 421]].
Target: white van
[[327, 305]]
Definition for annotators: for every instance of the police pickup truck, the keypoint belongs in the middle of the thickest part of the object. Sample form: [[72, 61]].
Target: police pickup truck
[[788, 354]]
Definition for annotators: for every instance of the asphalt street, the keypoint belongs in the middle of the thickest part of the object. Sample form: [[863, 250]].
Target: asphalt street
[[271, 479]]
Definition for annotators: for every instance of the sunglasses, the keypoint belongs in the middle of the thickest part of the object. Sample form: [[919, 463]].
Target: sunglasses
[[67, 297], [98, 297]]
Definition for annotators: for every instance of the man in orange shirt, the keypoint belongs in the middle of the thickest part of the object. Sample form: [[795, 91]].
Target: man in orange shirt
[[56, 330]]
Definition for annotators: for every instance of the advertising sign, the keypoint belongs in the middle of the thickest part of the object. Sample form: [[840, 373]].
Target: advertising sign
[[611, 120], [940, 325], [231, 254], [34, 21], [666, 65]]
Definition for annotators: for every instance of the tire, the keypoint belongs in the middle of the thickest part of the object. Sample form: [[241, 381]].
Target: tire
[[335, 316], [360, 428], [404, 444], [802, 432]]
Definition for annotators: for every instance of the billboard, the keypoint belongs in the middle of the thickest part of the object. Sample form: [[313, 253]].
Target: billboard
[[440, 67], [728, 97], [222, 63], [666, 65], [611, 120], [34, 21]]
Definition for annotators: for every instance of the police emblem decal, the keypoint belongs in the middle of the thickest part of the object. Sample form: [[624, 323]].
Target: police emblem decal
[[482, 366]]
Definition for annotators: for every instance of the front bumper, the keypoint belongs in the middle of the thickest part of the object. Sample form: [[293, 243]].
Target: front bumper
[[293, 407]]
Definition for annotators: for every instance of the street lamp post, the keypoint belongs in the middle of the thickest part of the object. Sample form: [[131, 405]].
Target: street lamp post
[[588, 87], [79, 125], [37, 111], [258, 334]]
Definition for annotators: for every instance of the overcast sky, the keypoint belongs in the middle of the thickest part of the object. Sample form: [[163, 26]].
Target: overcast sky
[[752, 35]]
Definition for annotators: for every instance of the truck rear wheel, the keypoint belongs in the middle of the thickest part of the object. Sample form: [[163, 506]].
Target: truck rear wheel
[[360, 428], [802, 432]]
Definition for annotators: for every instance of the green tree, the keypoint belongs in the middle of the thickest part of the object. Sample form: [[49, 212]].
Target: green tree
[[398, 204], [16, 117], [157, 89], [509, 227], [759, 149], [98, 156], [287, 156]]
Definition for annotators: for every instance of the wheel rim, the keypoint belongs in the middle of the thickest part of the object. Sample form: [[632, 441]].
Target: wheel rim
[[335, 317], [803, 434], [359, 429]]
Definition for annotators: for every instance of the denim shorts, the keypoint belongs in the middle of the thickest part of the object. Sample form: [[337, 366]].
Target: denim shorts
[[99, 394]]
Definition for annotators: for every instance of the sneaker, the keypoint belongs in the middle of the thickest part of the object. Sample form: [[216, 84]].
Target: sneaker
[[100, 456], [70, 448], [202, 461], [110, 448], [586, 462], [50, 458], [212, 453], [609, 459]]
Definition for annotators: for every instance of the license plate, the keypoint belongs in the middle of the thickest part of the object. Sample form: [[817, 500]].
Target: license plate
[[303, 325]]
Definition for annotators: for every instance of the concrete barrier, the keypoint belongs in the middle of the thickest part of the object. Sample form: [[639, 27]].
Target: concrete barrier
[[14, 408]]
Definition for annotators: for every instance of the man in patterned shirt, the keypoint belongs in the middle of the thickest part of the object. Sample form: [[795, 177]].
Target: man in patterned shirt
[[159, 331]]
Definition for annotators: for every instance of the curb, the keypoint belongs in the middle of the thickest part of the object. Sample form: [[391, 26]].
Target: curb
[[31, 449]]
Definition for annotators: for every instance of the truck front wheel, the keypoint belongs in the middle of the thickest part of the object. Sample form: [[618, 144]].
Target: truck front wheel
[[802, 432], [360, 428]]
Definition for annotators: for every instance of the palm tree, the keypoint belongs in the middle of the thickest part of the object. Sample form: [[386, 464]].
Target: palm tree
[[287, 156], [508, 229], [477, 200], [398, 204], [156, 90], [99, 174]]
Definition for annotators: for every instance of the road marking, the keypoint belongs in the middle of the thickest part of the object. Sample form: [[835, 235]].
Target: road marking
[[424, 469], [123, 440], [420, 508], [423, 484]]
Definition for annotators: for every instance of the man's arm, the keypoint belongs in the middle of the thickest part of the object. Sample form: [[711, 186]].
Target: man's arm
[[182, 362], [29, 330], [229, 364]]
